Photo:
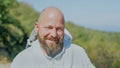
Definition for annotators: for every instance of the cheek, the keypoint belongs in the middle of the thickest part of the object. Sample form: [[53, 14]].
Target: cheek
[[43, 33], [60, 34]]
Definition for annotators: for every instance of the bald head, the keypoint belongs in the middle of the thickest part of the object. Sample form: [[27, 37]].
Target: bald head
[[50, 30], [51, 13]]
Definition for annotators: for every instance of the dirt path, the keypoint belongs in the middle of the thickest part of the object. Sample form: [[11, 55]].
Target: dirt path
[[4, 65]]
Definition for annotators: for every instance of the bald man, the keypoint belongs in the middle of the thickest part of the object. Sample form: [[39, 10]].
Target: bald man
[[52, 48]]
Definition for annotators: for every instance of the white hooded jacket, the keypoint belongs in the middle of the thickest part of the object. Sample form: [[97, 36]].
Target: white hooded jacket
[[71, 56]]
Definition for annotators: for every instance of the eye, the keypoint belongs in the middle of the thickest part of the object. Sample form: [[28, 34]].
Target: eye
[[60, 29]]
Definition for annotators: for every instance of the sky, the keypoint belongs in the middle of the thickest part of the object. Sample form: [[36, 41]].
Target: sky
[[101, 15]]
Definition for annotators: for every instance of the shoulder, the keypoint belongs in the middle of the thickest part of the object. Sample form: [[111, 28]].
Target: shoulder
[[26, 57], [78, 51], [22, 58], [77, 48], [25, 52], [80, 56]]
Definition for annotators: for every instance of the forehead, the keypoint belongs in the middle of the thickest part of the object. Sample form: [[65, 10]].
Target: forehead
[[52, 18], [50, 23]]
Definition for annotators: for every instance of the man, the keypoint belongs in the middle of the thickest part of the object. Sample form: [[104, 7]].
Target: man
[[53, 48]]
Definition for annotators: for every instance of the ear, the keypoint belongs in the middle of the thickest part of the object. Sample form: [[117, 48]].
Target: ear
[[36, 26]]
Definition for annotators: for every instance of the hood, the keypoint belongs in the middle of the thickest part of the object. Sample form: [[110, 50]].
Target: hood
[[33, 36]]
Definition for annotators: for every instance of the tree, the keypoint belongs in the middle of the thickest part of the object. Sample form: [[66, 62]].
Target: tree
[[13, 36]]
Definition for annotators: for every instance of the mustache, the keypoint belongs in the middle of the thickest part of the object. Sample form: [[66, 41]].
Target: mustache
[[57, 40], [53, 39]]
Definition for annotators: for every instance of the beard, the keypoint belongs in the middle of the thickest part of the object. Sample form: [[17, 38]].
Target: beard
[[51, 45]]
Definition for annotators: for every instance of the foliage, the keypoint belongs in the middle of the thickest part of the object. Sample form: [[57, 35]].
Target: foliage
[[102, 47], [26, 15], [16, 23], [12, 34]]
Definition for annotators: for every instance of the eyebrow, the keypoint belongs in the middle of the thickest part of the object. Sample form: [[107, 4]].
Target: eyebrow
[[52, 26]]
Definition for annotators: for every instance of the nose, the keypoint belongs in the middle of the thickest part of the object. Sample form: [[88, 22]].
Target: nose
[[54, 33]]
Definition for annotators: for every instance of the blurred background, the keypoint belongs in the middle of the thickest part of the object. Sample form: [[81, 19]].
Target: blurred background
[[94, 25]]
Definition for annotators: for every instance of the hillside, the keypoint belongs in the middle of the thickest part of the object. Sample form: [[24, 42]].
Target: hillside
[[26, 15], [102, 47]]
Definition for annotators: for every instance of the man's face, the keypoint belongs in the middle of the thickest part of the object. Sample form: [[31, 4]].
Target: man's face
[[51, 31]]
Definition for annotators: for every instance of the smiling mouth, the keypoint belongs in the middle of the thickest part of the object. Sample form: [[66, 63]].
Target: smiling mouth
[[53, 40]]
